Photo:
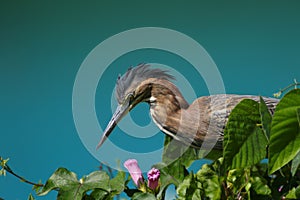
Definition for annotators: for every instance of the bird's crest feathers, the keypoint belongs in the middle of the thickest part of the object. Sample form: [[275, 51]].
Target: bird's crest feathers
[[134, 76]]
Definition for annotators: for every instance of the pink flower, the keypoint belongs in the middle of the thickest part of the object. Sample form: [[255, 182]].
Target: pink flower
[[153, 177], [136, 174]]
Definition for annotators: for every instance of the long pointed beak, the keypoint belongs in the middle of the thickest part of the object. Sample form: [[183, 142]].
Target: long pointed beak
[[120, 112]]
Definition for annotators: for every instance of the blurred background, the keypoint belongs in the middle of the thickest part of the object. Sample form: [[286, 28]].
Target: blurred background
[[255, 45]]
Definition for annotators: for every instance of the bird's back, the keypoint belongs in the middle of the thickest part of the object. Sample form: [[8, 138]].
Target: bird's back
[[212, 115]]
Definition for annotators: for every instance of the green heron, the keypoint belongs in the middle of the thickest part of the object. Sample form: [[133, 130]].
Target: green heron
[[203, 120]]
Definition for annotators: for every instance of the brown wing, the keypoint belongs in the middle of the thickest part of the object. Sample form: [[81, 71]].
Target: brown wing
[[214, 113]]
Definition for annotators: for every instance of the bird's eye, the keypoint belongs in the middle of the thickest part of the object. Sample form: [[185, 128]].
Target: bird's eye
[[130, 97]]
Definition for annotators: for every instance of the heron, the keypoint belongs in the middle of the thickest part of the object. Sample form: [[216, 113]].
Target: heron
[[191, 124]]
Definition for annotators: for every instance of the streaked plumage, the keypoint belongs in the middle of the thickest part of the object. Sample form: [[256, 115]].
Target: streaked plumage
[[205, 118]]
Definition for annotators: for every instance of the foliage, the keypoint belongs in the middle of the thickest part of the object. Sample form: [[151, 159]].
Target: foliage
[[244, 136], [286, 122], [260, 160]]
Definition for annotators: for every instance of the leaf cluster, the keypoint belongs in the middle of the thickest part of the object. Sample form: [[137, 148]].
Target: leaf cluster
[[96, 185], [261, 155]]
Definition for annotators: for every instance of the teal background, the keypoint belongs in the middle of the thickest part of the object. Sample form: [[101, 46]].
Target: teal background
[[42, 45]]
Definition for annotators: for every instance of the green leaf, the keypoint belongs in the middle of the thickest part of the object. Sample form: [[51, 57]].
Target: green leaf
[[38, 187], [3, 162], [69, 194], [143, 196], [210, 182], [266, 118], [212, 155], [237, 181], [4, 166], [176, 157], [169, 174], [295, 164], [130, 192], [294, 193], [98, 194], [173, 167], [177, 150], [236, 178], [97, 179], [285, 131], [189, 156], [2, 172], [69, 187], [61, 178], [168, 149], [30, 197], [183, 187], [190, 188], [260, 186], [244, 140], [117, 184]]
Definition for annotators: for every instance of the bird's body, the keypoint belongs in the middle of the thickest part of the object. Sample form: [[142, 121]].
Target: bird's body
[[203, 120]]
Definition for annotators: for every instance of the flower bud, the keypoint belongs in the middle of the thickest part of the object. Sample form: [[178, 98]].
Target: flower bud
[[153, 178], [135, 172]]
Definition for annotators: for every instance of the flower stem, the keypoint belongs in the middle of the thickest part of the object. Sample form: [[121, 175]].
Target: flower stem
[[9, 170]]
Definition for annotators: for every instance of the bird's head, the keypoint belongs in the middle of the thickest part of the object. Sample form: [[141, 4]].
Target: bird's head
[[133, 87]]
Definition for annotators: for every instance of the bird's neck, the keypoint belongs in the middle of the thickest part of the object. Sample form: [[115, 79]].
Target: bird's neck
[[166, 104], [167, 95]]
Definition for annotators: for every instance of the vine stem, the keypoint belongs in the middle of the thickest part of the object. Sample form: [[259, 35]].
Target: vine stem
[[9, 170], [295, 84]]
